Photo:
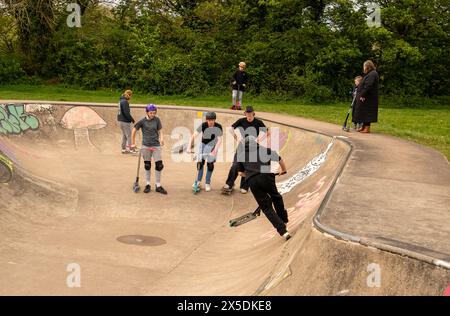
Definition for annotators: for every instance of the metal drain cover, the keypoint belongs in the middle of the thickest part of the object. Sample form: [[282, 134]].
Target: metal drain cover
[[140, 240]]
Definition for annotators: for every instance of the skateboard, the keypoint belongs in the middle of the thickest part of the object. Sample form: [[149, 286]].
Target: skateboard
[[226, 191], [245, 218]]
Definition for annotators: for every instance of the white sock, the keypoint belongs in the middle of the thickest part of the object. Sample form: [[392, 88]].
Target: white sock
[[147, 176]]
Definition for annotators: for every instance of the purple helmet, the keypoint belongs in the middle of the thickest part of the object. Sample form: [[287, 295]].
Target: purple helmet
[[150, 107]]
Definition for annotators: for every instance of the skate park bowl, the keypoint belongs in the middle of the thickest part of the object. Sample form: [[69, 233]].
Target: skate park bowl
[[67, 203]]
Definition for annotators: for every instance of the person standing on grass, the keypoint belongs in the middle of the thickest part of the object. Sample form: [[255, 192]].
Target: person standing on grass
[[366, 110], [125, 120], [240, 80]]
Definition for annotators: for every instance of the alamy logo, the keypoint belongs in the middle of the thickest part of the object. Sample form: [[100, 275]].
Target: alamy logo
[[74, 18], [74, 278], [374, 15], [374, 278]]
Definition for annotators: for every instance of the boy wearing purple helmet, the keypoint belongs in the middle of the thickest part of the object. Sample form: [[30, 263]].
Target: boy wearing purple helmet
[[152, 140]]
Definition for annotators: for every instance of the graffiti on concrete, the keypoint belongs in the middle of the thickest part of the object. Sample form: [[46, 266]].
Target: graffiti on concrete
[[285, 137], [6, 169], [312, 200], [45, 113], [447, 291], [312, 166], [39, 108], [15, 120], [81, 119], [279, 139]]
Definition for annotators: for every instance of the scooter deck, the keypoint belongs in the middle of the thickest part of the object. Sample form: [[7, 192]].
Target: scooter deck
[[245, 218]]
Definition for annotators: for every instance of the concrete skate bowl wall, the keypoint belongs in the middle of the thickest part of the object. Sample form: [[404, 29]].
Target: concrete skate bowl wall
[[26, 199], [68, 171]]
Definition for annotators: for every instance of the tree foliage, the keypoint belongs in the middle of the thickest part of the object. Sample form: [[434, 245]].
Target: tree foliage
[[311, 49]]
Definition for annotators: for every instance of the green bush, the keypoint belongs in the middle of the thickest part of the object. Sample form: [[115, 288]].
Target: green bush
[[292, 48]]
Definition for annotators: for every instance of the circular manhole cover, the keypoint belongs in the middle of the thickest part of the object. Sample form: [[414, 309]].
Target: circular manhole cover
[[140, 240]]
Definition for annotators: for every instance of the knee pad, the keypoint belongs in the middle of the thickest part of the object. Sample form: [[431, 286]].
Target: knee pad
[[200, 164], [147, 165], [159, 165], [210, 166]]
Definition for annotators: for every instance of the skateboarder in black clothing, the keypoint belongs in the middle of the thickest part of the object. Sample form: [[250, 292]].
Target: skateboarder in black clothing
[[256, 167], [247, 126], [125, 121]]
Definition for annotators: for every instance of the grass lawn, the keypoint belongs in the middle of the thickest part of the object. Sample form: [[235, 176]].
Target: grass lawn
[[425, 121]]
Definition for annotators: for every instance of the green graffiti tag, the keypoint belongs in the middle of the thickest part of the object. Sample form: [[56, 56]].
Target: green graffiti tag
[[14, 119], [6, 169]]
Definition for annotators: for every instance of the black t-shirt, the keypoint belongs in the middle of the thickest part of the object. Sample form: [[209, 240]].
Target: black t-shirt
[[255, 160], [252, 128], [210, 134]]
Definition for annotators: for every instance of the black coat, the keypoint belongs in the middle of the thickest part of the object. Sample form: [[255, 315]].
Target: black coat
[[367, 111], [241, 78]]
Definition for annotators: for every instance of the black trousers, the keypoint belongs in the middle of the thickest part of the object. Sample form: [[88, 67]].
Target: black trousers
[[266, 193], [233, 174]]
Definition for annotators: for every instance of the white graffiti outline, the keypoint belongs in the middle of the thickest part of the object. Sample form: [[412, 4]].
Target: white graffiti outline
[[312, 166]]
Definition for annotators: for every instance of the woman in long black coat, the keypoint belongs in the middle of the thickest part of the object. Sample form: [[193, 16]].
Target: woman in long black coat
[[366, 110]]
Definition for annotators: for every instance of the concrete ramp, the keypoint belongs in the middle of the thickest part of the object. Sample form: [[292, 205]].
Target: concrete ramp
[[69, 203]]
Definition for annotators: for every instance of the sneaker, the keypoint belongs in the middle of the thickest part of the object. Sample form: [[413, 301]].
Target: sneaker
[[244, 191], [199, 185], [287, 236], [207, 187], [196, 186], [125, 151], [147, 189], [161, 190], [133, 151], [226, 187]]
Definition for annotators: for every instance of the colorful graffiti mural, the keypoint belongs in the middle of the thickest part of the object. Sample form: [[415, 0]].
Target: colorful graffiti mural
[[6, 169], [15, 120]]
